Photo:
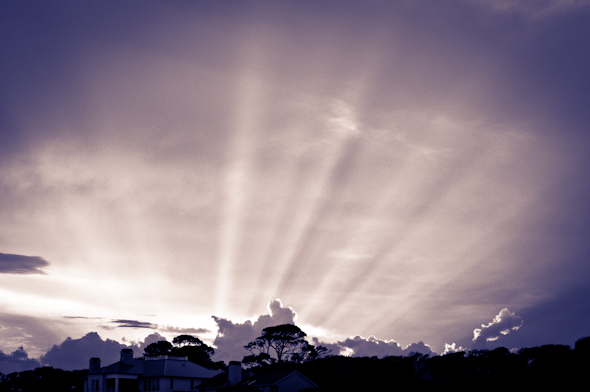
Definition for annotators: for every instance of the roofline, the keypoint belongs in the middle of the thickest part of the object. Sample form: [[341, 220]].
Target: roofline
[[290, 374]]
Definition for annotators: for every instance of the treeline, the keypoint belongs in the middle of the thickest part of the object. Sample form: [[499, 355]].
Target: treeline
[[43, 379], [547, 368]]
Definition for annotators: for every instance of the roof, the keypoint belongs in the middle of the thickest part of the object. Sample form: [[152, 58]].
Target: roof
[[136, 367], [273, 378], [252, 382], [177, 368], [161, 367]]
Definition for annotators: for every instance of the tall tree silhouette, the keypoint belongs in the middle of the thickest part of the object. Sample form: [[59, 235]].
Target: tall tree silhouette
[[282, 343]]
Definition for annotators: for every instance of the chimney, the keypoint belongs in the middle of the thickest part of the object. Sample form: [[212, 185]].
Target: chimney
[[234, 371], [127, 356], [94, 365]]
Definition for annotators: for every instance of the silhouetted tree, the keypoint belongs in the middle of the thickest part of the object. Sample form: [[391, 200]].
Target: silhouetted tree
[[162, 347], [582, 346], [43, 379], [185, 346], [193, 348], [186, 340], [257, 360], [281, 343]]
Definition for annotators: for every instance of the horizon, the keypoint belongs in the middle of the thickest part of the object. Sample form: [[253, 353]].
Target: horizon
[[413, 174], [75, 353]]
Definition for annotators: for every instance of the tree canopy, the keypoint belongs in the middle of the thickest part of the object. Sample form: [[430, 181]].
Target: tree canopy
[[281, 343], [183, 346]]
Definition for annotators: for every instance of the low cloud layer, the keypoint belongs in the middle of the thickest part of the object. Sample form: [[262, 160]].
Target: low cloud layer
[[19, 264], [232, 337], [453, 348], [357, 346], [17, 361], [73, 354], [501, 325]]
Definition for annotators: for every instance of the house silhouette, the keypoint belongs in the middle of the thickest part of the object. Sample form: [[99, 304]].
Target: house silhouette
[[162, 374]]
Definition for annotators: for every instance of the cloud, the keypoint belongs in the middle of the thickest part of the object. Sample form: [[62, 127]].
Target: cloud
[[17, 361], [182, 331], [83, 318], [19, 264], [73, 354], [502, 324], [357, 346], [140, 346], [123, 323], [232, 337], [134, 324], [34, 334], [452, 348]]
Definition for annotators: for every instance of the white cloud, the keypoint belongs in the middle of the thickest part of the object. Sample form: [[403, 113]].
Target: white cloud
[[232, 337], [357, 346], [452, 348], [502, 324]]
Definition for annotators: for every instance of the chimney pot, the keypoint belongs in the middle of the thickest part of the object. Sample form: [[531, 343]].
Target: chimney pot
[[127, 356], [234, 375], [94, 365]]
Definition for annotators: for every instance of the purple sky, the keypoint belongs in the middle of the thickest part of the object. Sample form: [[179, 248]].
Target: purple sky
[[403, 175]]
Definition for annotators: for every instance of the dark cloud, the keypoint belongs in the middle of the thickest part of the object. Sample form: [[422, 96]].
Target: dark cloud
[[17, 361], [501, 325], [73, 354], [19, 264], [123, 323], [232, 337], [134, 324]]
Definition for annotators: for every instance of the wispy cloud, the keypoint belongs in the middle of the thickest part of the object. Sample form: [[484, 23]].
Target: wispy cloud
[[182, 331], [134, 324]]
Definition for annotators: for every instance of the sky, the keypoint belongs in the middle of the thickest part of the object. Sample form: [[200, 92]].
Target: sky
[[390, 176]]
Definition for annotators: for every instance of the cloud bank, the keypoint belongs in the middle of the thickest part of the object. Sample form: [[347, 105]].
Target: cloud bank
[[357, 346], [73, 354], [232, 337], [17, 361]]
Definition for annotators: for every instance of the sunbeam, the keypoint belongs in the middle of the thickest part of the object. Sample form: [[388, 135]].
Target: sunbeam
[[397, 169]]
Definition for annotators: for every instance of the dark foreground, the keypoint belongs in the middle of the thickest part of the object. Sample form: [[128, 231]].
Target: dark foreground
[[547, 368]]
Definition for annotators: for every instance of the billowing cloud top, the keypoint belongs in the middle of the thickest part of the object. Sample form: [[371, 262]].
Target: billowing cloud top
[[502, 324], [233, 336]]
